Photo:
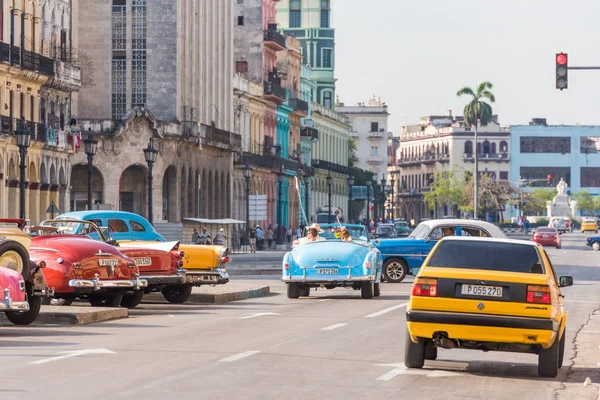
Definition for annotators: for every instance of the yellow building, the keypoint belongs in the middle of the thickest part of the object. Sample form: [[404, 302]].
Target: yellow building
[[23, 72]]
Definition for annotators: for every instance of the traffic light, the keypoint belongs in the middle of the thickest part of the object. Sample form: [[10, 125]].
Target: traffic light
[[562, 69], [549, 178]]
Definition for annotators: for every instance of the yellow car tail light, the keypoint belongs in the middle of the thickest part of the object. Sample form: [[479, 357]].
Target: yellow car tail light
[[425, 287], [538, 294]]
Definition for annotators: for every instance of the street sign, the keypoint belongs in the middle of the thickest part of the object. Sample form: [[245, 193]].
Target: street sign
[[258, 207], [52, 209]]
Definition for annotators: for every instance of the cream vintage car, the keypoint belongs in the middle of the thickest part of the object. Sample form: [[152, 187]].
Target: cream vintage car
[[205, 264], [15, 245]]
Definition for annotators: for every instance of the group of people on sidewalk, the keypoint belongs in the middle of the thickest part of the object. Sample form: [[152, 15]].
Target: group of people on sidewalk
[[257, 236], [206, 237]]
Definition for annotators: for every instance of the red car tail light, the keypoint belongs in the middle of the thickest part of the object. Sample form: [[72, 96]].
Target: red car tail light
[[225, 259], [180, 264], [538, 294], [287, 266], [181, 254], [425, 287]]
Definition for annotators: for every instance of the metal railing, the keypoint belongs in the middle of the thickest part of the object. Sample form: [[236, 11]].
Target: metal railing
[[274, 36], [333, 167], [299, 105], [272, 88], [31, 60]]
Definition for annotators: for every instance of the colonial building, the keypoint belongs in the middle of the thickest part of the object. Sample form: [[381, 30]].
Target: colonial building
[[570, 152], [310, 22], [444, 143], [330, 158], [163, 71], [23, 73], [369, 130]]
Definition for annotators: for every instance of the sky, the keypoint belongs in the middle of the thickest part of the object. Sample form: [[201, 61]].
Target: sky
[[416, 54]]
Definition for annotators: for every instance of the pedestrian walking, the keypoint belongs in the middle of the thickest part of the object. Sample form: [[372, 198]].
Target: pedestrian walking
[[269, 236], [252, 237], [220, 237]]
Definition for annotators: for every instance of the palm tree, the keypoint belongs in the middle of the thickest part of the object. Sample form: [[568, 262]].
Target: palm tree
[[477, 112]]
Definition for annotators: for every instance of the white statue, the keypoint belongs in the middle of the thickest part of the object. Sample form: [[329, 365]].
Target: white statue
[[562, 186]]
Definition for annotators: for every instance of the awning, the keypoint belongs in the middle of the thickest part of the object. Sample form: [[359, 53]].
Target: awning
[[226, 221]]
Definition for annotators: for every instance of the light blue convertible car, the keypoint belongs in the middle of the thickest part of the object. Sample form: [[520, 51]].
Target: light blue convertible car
[[333, 263]]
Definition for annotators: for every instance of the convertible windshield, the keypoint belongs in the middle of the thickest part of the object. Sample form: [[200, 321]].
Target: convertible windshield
[[420, 232], [67, 227], [355, 232]]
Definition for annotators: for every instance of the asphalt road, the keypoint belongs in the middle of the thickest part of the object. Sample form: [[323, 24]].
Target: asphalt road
[[333, 345]]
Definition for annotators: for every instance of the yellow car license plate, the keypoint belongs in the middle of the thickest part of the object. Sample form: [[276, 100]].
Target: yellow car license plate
[[476, 290]]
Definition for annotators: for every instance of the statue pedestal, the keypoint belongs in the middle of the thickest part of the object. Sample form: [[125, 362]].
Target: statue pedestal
[[559, 207]]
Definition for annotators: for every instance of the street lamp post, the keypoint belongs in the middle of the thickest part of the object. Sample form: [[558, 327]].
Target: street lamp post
[[150, 154], [306, 193], [383, 197], [279, 239], [329, 183], [350, 184], [368, 183], [392, 181], [247, 171], [375, 199], [90, 145], [23, 140]]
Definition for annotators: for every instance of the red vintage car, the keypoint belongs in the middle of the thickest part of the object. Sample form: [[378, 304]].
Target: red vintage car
[[160, 264], [77, 266], [547, 236]]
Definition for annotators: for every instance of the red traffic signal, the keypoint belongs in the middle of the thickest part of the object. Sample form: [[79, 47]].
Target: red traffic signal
[[562, 69], [549, 176], [370, 208]]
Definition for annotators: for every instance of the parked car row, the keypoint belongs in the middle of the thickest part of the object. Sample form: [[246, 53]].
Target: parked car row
[[69, 258]]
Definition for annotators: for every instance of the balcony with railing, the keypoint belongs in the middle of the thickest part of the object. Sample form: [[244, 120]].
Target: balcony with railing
[[333, 167], [221, 138], [274, 40], [308, 134], [503, 156], [375, 135], [26, 59], [67, 76], [299, 106], [48, 135], [274, 92], [375, 159]]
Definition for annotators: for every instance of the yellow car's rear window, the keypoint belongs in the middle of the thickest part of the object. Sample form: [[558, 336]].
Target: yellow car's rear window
[[487, 255]]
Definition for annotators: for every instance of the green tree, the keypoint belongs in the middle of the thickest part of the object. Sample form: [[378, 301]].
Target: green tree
[[496, 193], [477, 112], [352, 158], [536, 200], [585, 202], [447, 188], [597, 203]]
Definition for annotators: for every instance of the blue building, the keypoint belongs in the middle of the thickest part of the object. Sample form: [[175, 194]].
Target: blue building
[[570, 152]]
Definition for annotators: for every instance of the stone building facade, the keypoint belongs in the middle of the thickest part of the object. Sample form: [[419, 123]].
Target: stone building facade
[[444, 143], [24, 71], [162, 70]]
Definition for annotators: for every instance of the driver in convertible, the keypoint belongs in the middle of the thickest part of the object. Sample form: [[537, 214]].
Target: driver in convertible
[[312, 235]]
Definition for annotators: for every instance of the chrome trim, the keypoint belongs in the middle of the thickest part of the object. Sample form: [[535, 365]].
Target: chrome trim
[[403, 255], [290, 278], [195, 276], [8, 305], [177, 278], [97, 284], [100, 253]]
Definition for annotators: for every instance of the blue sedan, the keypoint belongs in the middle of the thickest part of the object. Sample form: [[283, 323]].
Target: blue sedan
[[401, 256], [593, 242], [334, 263]]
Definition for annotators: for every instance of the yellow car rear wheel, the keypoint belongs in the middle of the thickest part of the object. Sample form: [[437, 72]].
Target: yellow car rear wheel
[[414, 353], [548, 360]]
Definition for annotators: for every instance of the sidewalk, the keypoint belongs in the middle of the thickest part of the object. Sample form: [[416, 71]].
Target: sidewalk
[[231, 291]]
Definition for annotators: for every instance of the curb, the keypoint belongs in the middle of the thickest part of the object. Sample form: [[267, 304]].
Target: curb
[[252, 270], [217, 297], [69, 315]]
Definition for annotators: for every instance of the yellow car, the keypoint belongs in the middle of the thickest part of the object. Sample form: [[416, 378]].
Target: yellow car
[[589, 225], [487, 294]]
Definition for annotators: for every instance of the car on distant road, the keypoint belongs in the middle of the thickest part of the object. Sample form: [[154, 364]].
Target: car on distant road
[[401, 255], [547, 237], [402, 228], [334, 263], [589, 224], [593, 242], [487, 294], [385, 231]]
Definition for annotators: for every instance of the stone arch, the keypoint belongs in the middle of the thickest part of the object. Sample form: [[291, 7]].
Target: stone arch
[[486, 147], [133, 192], [204, 194], [62, 189], [196, 194], [190, 194], [228, 202], [34, 193], [210, 210], [503, 146], [468, 147], [169, 194], [53, 178]]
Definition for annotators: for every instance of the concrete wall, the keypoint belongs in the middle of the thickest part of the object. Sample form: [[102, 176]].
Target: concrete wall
[[248, 38]]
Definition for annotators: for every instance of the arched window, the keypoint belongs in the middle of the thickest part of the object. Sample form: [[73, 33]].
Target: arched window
[[479, 148], [468, 147], [486, 147], [503, 146], [493, 147]]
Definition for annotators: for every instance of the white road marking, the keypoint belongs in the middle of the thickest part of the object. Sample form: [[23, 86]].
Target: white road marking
[[332, 327], [258, 315], [386, 310], [71, 354], [400, 369], [320, 301], [239, 356]]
